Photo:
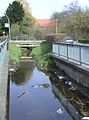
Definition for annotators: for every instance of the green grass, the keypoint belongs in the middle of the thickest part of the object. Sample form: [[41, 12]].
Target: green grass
[[40, 54], [14, 52]]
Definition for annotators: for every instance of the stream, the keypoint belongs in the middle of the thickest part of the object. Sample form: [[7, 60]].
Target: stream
[[35, 95]]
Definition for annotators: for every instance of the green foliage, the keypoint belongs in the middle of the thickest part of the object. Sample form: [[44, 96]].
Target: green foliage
[[3, 20], [85, 41], [21, 19], [38, 34], [26, 27], [29, 19], [40, 54], [14, 52], [15, 30], [63, 21], [73, 20], [55, 15], [64, 30], [27, 9], [81, 23], [15, 12]]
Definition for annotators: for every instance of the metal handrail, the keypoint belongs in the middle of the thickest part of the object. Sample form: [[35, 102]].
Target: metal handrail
[[3, 49], [78, 53], [3, 42]]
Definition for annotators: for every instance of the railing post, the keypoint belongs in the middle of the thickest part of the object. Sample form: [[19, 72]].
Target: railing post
[[80, 55], [2, 52], [52, 48], [58, 50], [67, 52]]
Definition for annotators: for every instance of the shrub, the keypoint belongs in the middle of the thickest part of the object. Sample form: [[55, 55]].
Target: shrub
[[40, 54], [83, 41]]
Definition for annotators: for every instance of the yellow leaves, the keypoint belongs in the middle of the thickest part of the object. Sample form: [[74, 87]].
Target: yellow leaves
[[26, 7], [27, 10]]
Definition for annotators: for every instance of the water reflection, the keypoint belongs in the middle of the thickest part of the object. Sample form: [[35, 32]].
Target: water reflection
[[34, 99], [24, 73], [7, 100], [36, 96], [76, 103]]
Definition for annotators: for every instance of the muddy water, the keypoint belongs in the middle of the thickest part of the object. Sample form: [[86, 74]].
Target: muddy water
[[32, 97]]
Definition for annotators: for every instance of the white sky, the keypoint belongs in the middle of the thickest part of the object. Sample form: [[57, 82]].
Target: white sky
[[43, 8]]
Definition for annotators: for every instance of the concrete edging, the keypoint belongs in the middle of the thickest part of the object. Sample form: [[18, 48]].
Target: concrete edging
[[3, 88]]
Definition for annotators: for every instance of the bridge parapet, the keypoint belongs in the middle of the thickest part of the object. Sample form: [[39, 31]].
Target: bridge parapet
[[3, 49], [76, 53], [73, 59], [27, 43], [3, 78]]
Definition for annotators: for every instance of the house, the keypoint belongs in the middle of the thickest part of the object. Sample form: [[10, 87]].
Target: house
[[45, 24]]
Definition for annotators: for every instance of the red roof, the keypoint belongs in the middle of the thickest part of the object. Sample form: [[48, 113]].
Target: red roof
[[44, 22]]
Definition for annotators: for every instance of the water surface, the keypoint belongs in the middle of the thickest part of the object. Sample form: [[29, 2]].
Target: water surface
[[29, 100]]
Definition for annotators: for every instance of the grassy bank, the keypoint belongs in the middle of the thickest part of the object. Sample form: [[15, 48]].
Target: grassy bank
[[14, 52], [41, 56]]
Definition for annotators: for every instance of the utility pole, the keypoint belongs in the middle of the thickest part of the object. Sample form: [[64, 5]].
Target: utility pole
[[56, 25]]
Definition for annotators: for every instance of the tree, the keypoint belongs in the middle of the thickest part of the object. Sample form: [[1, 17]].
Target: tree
[[26, 8], [27, 12], [81, 23], [62, 20], [28, 21], [15, 30], [38, 34], [15, 12], [55, 15], [3, 20], [73, 20]]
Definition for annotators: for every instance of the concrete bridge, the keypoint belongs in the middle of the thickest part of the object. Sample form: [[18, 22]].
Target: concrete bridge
[[73, 59], [27, 43]]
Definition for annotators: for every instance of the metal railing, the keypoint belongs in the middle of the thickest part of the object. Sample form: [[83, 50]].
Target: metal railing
[[3, 49], [73, 52]]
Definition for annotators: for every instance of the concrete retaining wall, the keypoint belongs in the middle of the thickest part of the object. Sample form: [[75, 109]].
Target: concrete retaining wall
[[75, 71], [3, 87], [69, 107]]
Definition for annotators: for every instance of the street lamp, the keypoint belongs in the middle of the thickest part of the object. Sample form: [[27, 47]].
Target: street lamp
[[8, 26]]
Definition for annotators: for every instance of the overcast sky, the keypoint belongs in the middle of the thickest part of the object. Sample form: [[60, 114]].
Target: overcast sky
[[43, 8]]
